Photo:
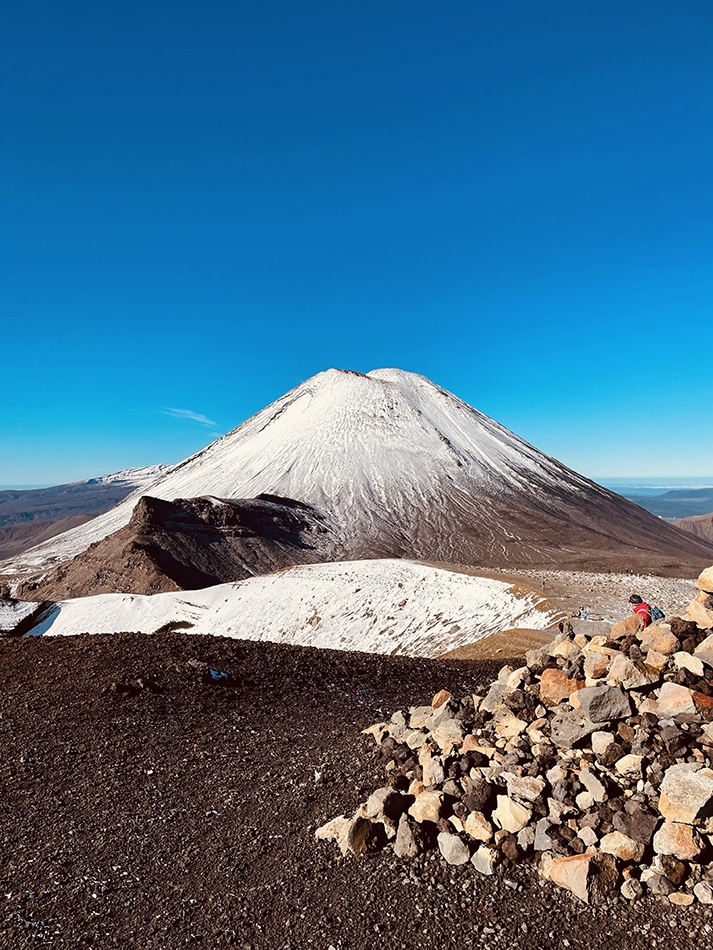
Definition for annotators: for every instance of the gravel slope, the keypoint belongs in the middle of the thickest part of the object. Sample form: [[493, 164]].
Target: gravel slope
[[143, 805]]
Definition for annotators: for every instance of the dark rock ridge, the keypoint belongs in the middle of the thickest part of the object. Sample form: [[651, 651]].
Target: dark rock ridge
[[192, 543], [593, 760], [396, 467]]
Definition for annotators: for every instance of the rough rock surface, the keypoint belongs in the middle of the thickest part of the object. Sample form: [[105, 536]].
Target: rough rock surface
[[594, 815], [145, 804]]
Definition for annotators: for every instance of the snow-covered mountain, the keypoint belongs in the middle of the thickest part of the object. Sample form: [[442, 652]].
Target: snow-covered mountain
[[396, 466], [384, 606]]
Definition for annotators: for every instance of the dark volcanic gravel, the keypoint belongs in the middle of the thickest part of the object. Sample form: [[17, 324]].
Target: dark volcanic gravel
[[143, 805]]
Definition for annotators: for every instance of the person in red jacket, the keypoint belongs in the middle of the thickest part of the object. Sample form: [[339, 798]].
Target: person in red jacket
[[641, 608]]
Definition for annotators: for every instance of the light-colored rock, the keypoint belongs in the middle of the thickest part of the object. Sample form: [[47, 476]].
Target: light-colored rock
[[441, 697], [448, 735], [453, 849], [376, 801], [418, 716], [600, 741], [705, 580], [478, 827], [626, 627], [507, 723], [584, 801], [416, 738], [681, 898], [686, 794], [427, 806], [625, 672], [526, 837], [596, 666], [699, 614], [630, 766], [686, 661], [658, 637], [704, 651], [485, 860], [555, 686], [676, 702], [397, 727], [543, 841], [593, 785], [656, 661], [526, 788], [378, 730], [432, 766], [622, 846], [406, 843], [335, 830], [572, 873], [588, 836], [703, 892], [631, 890], [680, 840], [565, 648], [511, 815]]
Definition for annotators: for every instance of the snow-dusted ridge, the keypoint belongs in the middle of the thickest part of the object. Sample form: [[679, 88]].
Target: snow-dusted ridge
[[379, 606]]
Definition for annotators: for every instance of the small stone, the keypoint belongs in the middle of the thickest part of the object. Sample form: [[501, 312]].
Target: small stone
[[658, 637], [441, 697], [681, 898], [703, 892], [593, 785], [679, 840], [335, 830], [432, 766], [454, 849], [621, 846], [427, 807], [478, 826], [556, 686], [600, 741], [407, 843], [524, 788], [511, 815], [604, 703], [686, 793], [572, 873], [485, 860], [418, 716], [588, 836], [631, 889], [685, 661], [630, 766]]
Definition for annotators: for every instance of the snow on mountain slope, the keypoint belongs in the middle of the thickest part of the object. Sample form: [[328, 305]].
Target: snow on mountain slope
[[378, 606], [403, 468]]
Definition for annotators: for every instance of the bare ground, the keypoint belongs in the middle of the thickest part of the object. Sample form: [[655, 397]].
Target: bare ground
[[144, 805]]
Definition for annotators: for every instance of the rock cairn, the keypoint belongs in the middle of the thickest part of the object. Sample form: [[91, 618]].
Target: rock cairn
[[593, 761]]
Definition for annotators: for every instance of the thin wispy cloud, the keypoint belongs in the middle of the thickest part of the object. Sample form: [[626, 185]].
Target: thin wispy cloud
[[193, 416]]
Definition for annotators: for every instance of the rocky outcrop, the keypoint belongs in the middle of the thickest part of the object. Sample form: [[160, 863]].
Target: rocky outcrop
[[191, 543], [593, 761]]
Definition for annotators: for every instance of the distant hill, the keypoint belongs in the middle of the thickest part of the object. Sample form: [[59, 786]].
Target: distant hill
[[700, 525], [30, 516], [677, 503]]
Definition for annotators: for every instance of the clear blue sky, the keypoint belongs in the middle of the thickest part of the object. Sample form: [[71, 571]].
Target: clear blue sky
[[203, 204]]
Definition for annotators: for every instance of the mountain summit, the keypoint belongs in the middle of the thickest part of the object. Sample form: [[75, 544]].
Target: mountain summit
[[388, 464]]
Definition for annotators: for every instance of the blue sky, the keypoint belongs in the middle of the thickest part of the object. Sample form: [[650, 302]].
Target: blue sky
[[206, 203]]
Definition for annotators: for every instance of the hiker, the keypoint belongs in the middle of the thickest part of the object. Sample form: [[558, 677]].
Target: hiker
[[641, 608]]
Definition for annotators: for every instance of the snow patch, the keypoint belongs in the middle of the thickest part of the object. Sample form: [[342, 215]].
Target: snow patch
[[379, 606]]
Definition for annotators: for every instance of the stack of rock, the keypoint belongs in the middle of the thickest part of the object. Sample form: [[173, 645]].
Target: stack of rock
[[593, 759]]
